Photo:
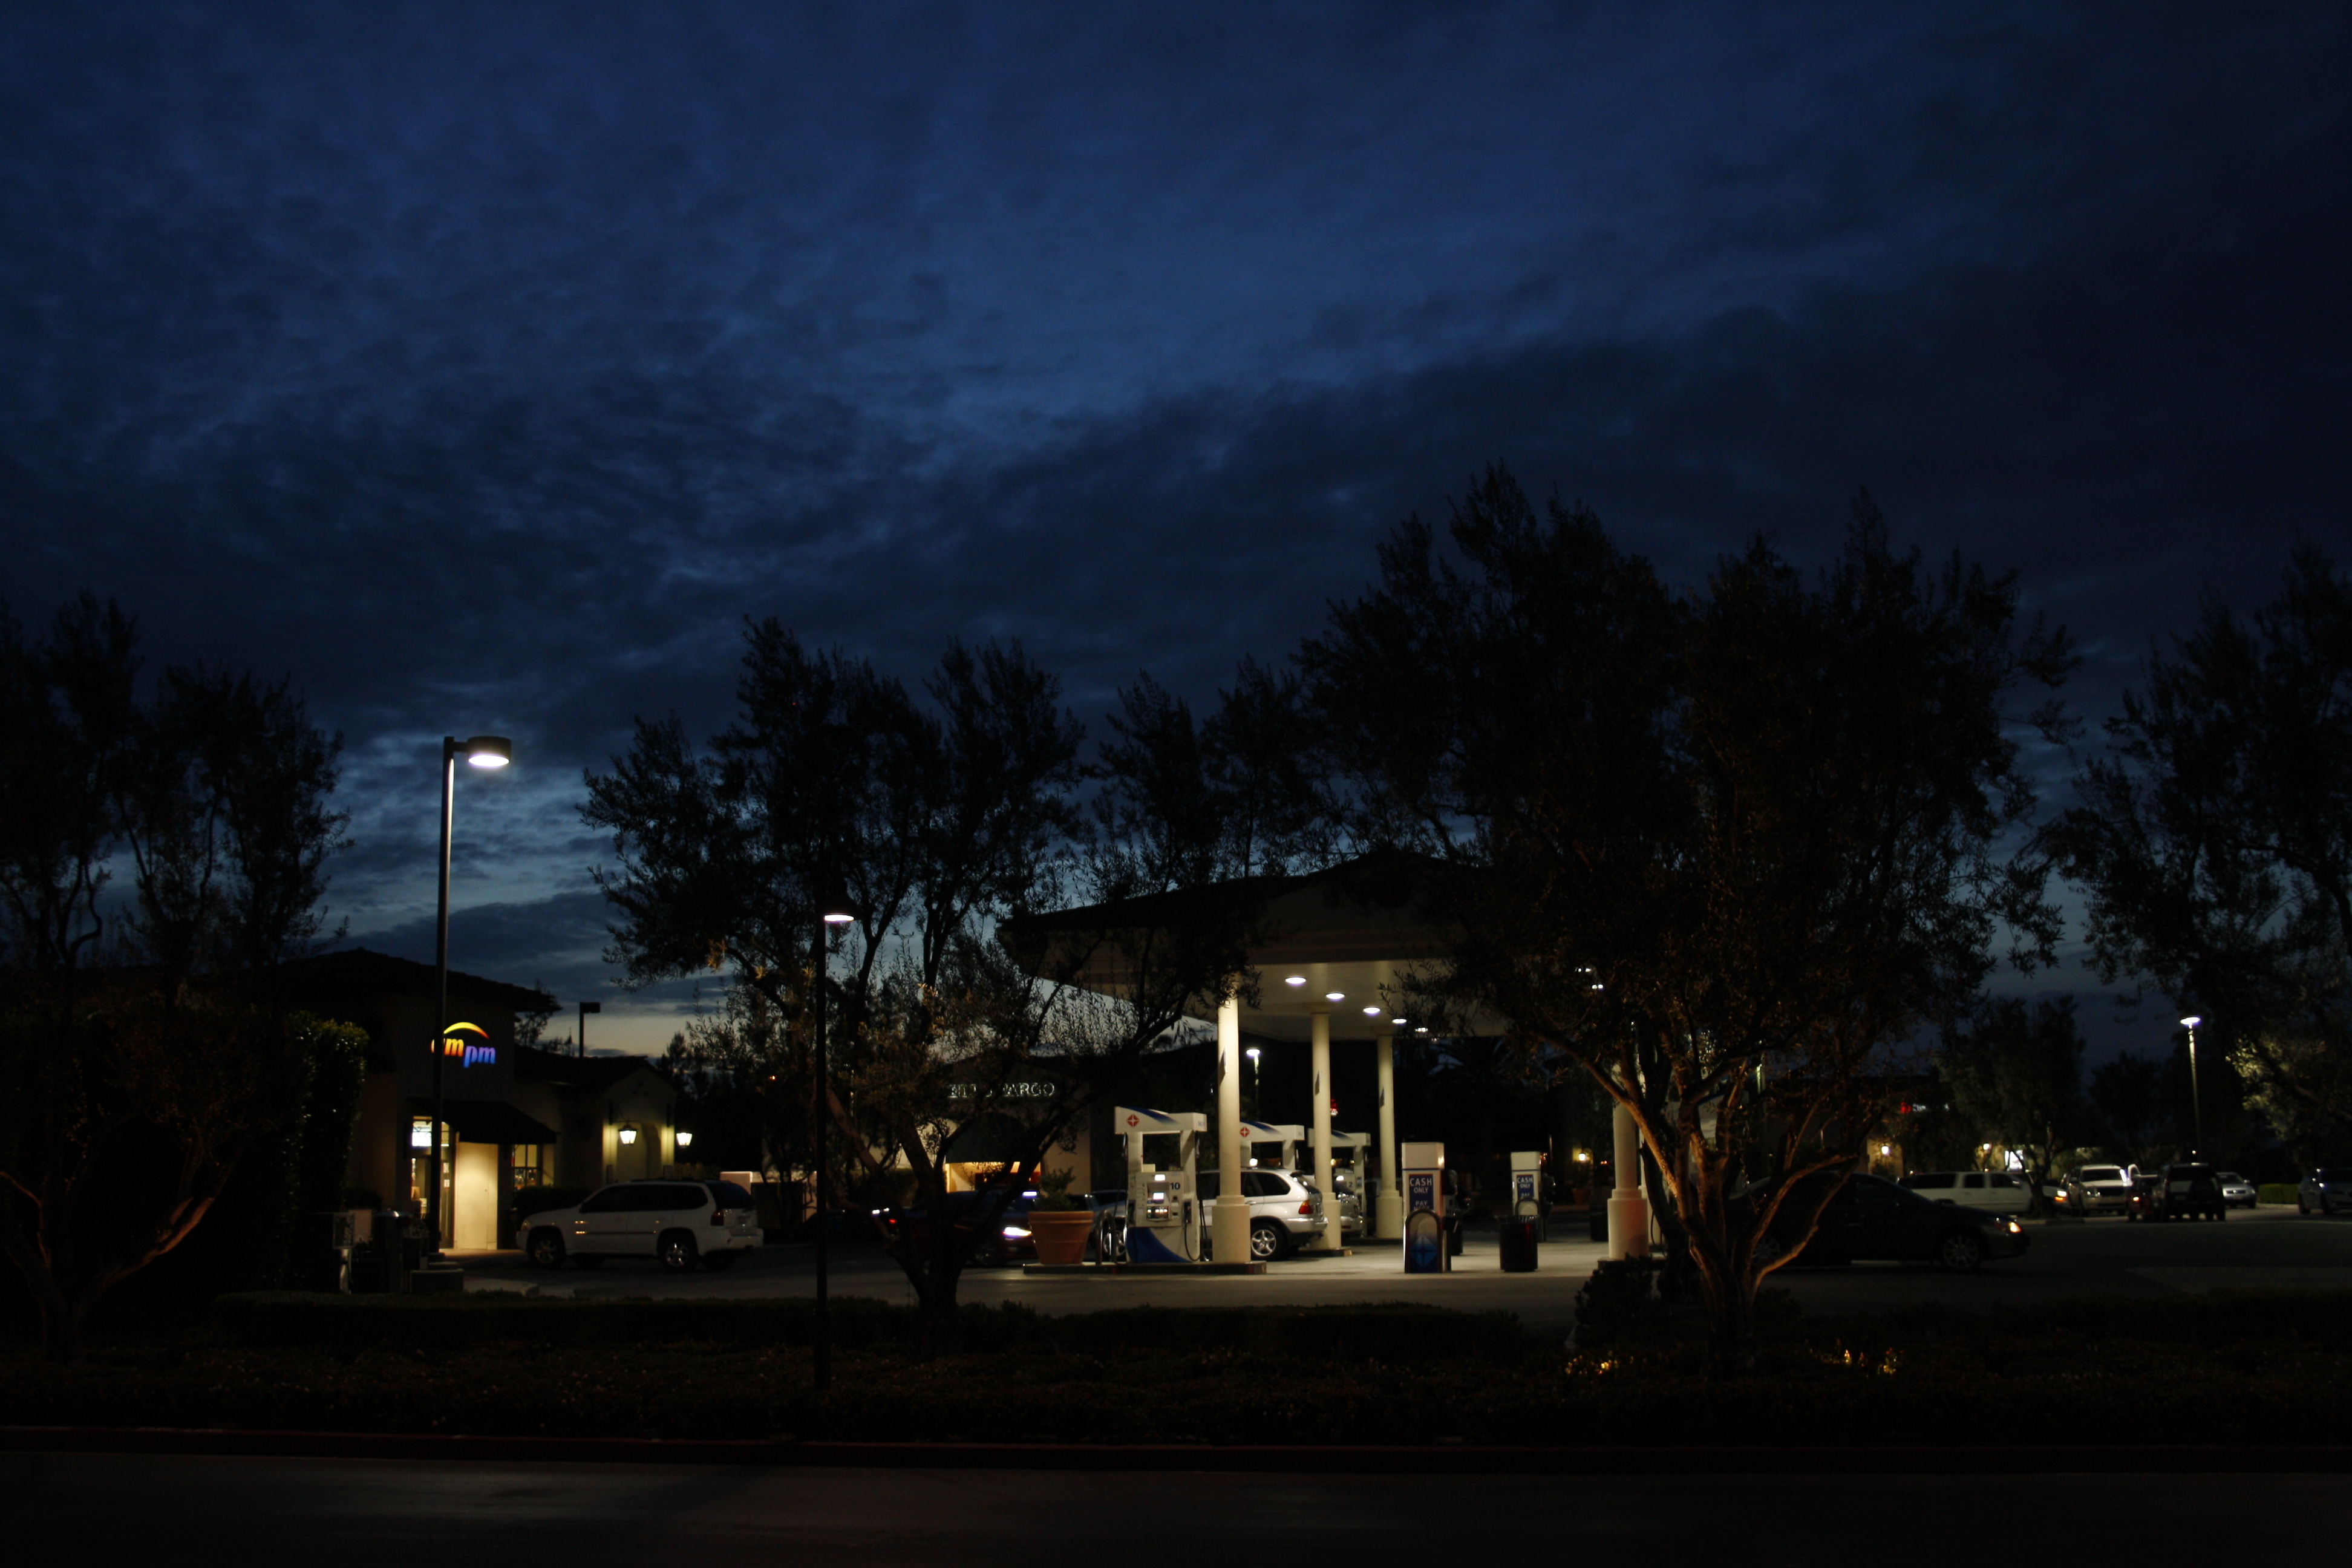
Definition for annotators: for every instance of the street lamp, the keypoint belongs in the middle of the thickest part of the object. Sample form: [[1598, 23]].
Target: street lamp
[[832, 909], [481, 751], [2196, 1101], [1254, 1053], [586, 1008]]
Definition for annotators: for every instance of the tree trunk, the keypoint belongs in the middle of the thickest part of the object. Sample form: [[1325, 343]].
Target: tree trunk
[[1731, 1335], [60, 1324]]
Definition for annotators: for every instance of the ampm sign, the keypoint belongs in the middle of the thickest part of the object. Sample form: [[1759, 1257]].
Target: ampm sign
[[468, 1052]]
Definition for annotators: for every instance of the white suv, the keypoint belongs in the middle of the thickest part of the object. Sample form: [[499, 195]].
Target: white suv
[[1285, 1213], [1997, 1191], [679, 1223], [2099, 1189]]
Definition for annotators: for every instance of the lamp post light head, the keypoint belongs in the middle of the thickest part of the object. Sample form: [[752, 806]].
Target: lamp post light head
[[684, 1139], [482, 751], [833, 905], [2191, 1021], [1252, 1053]]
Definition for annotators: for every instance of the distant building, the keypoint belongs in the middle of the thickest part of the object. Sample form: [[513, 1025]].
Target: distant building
[[514, 1116]]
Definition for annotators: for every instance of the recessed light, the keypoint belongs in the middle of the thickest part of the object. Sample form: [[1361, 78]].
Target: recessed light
[[1294, 980], [1371, 1012], [1423, 1030], [1335, 996]]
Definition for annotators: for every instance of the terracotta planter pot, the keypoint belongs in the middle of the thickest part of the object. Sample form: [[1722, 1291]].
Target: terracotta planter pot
[[1061, 1237]]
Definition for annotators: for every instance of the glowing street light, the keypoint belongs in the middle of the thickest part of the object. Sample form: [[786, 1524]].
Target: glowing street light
[[481, 752], [2196, 1100], [832, 909]]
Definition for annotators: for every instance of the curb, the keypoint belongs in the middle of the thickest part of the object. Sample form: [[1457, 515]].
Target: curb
[[1460, 1459]]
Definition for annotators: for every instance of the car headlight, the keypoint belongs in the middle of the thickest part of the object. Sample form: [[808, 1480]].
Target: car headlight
[[2015, 1229]]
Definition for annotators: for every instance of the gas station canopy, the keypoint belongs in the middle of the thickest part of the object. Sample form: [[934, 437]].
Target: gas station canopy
[[1350, 939]]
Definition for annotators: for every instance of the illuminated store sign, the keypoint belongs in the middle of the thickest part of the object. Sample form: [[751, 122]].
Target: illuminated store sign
[[468, 1053]]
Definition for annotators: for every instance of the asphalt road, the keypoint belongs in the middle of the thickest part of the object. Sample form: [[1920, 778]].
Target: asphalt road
[[2103, 1257], [111, 1509]]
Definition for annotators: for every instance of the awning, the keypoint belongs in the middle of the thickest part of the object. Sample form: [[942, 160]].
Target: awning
[[492, 1121], [991, 1138]]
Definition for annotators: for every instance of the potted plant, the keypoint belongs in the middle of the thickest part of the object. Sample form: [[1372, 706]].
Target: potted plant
[[1059, 1221]]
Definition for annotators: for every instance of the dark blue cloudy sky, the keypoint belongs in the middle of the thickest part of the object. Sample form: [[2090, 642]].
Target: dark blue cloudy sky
[[483, 365]]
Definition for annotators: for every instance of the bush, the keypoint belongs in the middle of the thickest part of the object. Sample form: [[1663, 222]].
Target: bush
[[2276, 1193], [1617, 1304], [260, 1319]]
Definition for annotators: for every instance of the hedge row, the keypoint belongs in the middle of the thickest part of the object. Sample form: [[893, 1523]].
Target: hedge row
[[2269, 1367], [1396, 1332], [2276, 1193]]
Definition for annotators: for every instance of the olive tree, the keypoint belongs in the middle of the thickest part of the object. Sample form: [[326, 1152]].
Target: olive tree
[[140, 1031], [1721, 850]]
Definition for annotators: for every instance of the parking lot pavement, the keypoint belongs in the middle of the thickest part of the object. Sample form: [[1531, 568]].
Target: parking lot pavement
[[361, 1512], [2260, 1247]]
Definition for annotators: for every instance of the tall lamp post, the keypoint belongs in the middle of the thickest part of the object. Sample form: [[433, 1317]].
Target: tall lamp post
[[833, 910], [1254, 1054], [586, 1008], [2196, 1100], [481, 751]]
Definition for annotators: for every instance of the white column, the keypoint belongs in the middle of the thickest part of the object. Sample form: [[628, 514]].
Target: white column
[[1229, 1218], [1387, 1211], [1629, 1213], [1319, 1021]]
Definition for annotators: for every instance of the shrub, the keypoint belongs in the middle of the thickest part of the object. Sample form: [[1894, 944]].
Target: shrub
[[2276, 1193]]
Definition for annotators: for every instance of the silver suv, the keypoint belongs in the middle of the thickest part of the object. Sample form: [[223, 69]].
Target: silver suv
[[1285, 1213], [678, 1223]]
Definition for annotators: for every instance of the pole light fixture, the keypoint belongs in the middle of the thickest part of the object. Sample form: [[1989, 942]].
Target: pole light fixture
[[586, 1008], [2195, 1097], [481, 752], [832, 909]]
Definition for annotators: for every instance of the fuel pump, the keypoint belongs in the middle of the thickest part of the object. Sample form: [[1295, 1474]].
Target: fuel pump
[[1163, 1209], [1276, 1145], [1528, 1196], [1351, 1181]]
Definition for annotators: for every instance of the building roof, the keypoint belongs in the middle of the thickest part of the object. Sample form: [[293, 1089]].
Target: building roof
[[565, 1070], [357, 969]]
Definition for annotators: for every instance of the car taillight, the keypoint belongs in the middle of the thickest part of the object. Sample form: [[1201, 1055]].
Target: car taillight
[[718, 1216], [1307, 1207]]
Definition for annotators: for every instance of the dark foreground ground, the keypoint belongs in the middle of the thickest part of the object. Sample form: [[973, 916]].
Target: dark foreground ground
[[143, 1508]]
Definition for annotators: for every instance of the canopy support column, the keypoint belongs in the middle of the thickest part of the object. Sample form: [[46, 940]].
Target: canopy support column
[[1388, 1212], [1334, 1238], [1229, 1217]]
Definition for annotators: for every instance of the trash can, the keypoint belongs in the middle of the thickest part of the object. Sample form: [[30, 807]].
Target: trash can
[[1519, 1238], [325, 1260]]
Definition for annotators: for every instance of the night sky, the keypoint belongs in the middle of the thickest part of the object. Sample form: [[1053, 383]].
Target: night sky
[[481, 367]]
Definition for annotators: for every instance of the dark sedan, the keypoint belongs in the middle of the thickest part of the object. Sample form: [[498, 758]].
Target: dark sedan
[[1871, 1219], [1006, 1240]]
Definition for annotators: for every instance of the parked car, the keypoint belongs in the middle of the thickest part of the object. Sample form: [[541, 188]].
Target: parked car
[[1998, 1192], [2238, 1193], [1007, 1238], [2097, 1189], [1871, 1218], [678, 1223], [2189, 1190], [2325, 1190], [2145, 1196], [1285, 1211]]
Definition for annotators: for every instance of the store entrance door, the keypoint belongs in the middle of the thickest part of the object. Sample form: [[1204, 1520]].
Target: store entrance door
[[474, 1210]]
